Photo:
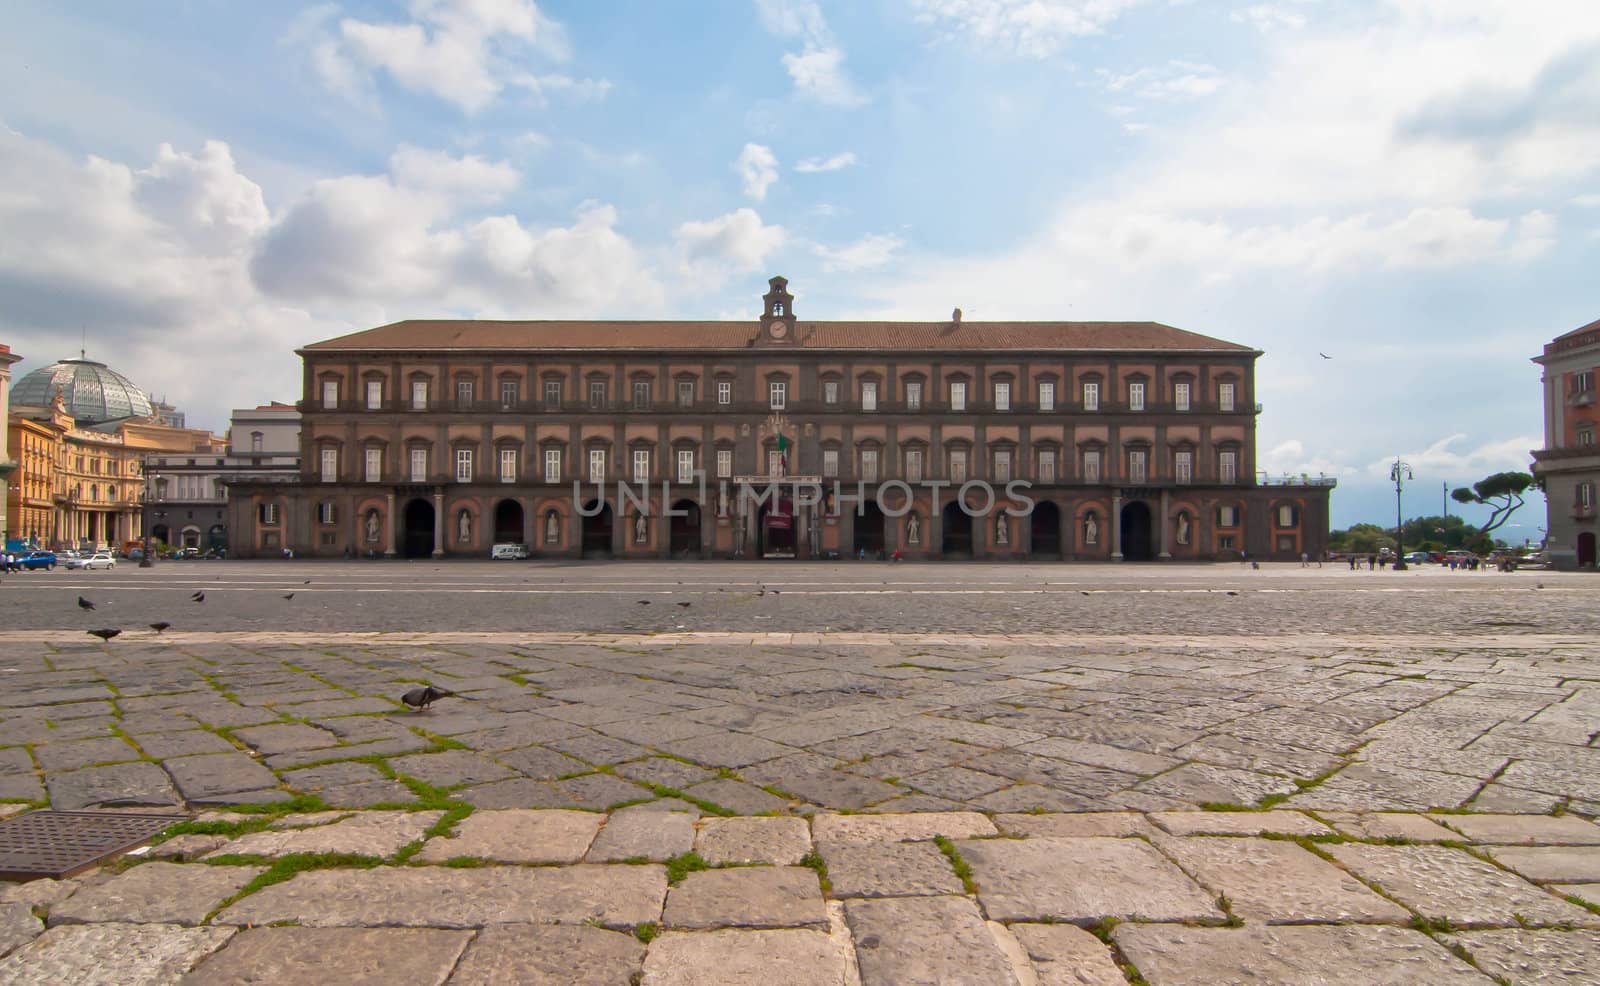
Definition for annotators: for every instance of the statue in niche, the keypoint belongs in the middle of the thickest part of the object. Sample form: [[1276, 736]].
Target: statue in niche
[[913, 530], [552, 528], [1091, 529], [1002, 531], [464, 527], [1183, 528], [641, 529], [372, 527]]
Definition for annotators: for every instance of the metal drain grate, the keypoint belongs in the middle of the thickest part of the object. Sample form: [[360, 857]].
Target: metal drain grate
[[60, 843]]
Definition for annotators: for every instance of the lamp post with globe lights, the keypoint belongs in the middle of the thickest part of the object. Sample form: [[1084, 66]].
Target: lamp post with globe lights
[[150, 481], [1399, 473]]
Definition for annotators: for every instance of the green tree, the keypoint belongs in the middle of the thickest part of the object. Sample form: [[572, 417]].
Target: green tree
[[1361, 539], [1501, 493]]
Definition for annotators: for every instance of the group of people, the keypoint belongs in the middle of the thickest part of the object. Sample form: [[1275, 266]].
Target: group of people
[[10, 562]]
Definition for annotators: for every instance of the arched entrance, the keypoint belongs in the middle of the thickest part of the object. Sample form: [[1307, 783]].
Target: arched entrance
[[162, 533], [869, 531], [684, 536], [1136, 532], [955, 528], [597, 530], [416, 540], [1586, 549], [508, 522], [191, 537], [1046, 521], [775, 527], [217, 537]]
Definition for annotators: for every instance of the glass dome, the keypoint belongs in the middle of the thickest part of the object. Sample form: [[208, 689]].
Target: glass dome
[[94, 393]]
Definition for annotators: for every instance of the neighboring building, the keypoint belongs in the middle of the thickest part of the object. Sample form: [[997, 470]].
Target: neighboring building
[[1132, 440], [1568, 466], [8, 460], [189, 493]]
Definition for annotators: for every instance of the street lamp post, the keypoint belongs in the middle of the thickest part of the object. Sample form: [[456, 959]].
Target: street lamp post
[[1399, 473], [150, 480]]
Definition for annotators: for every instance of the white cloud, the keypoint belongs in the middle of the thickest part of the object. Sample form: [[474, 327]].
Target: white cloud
[[1268, 17], [872, 250], [1176, 80], [818, 70], [1441, 458], [1588, 201], [815, 165], [1032, 28], [758, 168], [1535, 235], [710, 252], [579, 90]]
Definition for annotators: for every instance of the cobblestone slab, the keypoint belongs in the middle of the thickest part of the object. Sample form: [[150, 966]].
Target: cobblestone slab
[[888, 869], [900, 828], [518, 836], [372, 833], [1065, 955], [155, 893], [1523, 956], [739, 958], [1372, 955], [122, 785], [18, 926], [934, 940], [450, 768], [643, 832], [347, 956], [1510, 830], [1082, 881], [747, 897], [111, 955], [218, 775], [1589, 892], [69, 756], [550, 956], [779, 841], [1552, 864], [287, 737], [737, 796], [1279, 882], [1076, 826], [1388, 825], [1452, 885], [1239, 823], [430, 896]]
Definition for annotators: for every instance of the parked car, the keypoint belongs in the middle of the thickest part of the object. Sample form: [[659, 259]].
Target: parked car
[[508, 551], [100, 559], [1416, 557], [38, 559], [1536, 560]]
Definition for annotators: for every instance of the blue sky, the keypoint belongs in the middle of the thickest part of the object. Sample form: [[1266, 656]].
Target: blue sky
[[1409, 186]]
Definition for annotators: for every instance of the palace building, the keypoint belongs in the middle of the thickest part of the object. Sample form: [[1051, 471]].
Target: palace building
[[781, 437], [1568, 467]]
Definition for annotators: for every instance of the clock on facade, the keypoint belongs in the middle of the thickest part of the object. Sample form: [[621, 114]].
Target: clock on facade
[[778, 329]]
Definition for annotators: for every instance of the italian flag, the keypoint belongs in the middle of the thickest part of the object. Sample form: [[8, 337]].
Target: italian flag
[[783, 455]]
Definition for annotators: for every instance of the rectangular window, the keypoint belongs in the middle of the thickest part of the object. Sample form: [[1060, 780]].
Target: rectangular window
[[268, 513], [1183, 465], [597, 395], [724, 392], [830, 462], [685, 465], [552, 394], [830, 391], [869, 465], [552, 466], [1002, 466], [774, 462], [958, 465], [1002, 397], [463, 465], [1286, 516], [1047, 397], [914, 395], [869, 395], [1091, 397], [1583, 383], [1228, 466], [597, 465], [419, 465], [686, 393], [1136, 467], [1225, 396], [1180, 396], [724, 463], [419, 395], [330, 465], [374, 395], [1047, 466], [641, 395], [1586, 437], [374, 473], [508, 465], [778, 391], [327, 513], [958, 396], [914, 465], [463, 392], [1227, 516], [330, 395], [1136, 397], [1225, 542], [256, 442], [508, 394], [1586, 495], [1091, 466], [641, 465]]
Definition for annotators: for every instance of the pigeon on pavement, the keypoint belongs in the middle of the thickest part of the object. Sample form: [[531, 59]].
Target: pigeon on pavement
[[288, 595], [421, 698], [683, 605], [158, 627], [198, 597], [104, 634], [84, 603]]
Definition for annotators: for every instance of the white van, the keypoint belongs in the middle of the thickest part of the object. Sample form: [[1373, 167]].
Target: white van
[[508, 551]]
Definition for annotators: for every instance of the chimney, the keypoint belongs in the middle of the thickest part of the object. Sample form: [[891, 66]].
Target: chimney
[[955, 316]]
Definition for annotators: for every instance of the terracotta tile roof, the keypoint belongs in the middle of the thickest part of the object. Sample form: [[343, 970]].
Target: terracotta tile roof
[[1580, 330], [423, 334]]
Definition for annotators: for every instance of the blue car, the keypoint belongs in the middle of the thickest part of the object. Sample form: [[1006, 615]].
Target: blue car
[[38, 559]]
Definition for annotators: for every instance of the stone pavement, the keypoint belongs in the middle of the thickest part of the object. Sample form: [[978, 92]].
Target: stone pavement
[[717, 807]]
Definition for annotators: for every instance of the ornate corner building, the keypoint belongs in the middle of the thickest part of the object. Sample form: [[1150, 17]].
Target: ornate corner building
[[781, 437], [1569, 464]]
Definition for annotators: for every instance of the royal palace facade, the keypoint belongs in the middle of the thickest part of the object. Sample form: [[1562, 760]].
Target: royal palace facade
[[781, 437]]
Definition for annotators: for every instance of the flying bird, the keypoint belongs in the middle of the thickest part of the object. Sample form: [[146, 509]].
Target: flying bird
[[84, 603], [1325, 356], [198, 597], [104, 634], [158, 627], [421, 698]]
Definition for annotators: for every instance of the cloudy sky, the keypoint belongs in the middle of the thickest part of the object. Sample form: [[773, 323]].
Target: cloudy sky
[[1409, 186]]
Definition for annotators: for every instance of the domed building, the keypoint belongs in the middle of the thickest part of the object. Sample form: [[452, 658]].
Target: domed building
[[93, 392]]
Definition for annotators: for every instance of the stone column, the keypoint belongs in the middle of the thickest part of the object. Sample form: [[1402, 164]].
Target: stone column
[[393, 523], [1116, 527], [532, 529], [1166, 508], [438, 525]]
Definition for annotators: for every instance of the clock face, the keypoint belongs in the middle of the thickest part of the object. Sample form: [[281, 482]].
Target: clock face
[[778, 329]]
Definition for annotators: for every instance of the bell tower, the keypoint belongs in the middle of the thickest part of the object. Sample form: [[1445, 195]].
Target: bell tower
[[777, 317]]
